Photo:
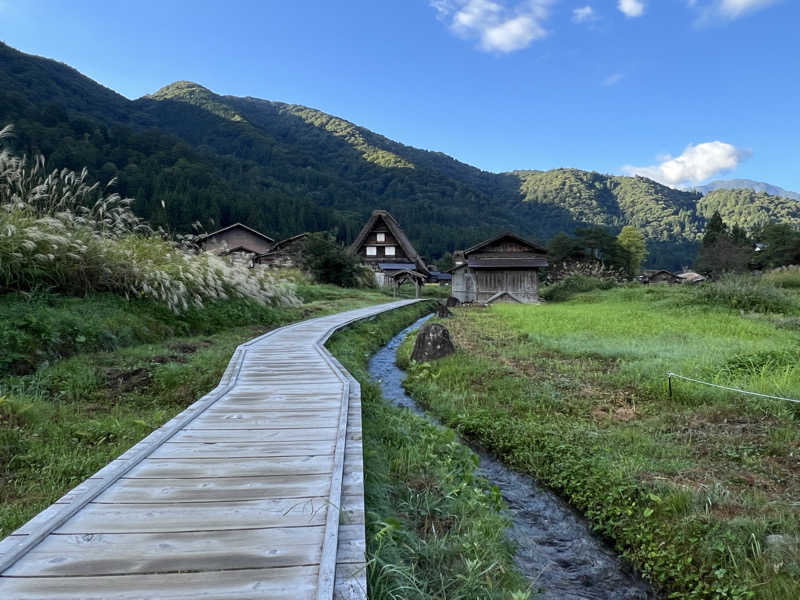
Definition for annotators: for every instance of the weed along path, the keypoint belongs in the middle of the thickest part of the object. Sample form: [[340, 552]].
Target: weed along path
[[254, 491], [556, 550]]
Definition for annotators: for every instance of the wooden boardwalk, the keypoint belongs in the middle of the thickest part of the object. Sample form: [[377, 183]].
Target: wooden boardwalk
[[254, 491]]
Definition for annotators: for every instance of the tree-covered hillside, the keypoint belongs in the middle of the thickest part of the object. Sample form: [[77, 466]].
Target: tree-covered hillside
[[187, 154], [747, 184]]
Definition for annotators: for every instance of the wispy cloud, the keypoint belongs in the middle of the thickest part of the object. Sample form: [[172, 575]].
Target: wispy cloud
[[728, 9], [631, 8], [496, 26], [584, 14], [612, 79], [696, 164]]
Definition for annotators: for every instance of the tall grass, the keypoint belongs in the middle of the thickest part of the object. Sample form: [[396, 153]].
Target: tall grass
[[785, 277], [59, 232], [748, 293]]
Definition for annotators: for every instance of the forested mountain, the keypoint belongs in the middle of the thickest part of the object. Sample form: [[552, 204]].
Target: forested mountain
[[747, 184], [187, 154]]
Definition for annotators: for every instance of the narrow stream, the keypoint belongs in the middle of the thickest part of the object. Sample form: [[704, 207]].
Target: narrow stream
[[556, 550]]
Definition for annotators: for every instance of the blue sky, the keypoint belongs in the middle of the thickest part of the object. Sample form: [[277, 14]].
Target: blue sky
[[679, 90]]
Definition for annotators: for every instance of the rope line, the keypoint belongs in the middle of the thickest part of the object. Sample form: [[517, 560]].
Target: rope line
[[670, 375]]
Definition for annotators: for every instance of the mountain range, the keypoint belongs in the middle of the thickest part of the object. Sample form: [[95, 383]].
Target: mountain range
[[188, 155], [746, 184]]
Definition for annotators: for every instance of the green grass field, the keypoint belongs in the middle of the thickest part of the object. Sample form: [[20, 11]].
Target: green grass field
[[700, 491]]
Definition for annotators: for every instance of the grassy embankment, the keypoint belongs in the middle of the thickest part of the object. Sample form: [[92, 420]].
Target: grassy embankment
[[699, 491], [433, 527], [83, 379]]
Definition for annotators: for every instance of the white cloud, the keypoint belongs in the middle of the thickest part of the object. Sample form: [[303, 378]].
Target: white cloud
[[496, 26], [583, 15], [696, 164], [728, 9], [612, 79], [631, 8]]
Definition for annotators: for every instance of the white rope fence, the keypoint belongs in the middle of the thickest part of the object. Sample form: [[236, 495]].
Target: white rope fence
[[670, 375]]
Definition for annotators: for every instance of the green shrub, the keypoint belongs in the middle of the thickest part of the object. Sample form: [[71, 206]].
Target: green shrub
[[784, 277], [328, 261], [747, 293], [575, 284]]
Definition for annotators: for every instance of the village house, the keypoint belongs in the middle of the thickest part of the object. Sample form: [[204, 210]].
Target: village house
[[502, 269], [285, 253], [237, 240], [387, 251]]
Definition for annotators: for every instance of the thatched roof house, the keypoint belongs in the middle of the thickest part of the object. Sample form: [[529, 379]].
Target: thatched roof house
[[383, 245], [236, 238], [285, 253]]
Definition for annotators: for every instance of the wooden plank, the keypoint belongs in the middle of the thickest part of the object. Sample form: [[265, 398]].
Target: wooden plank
[[114, 554], [255, 435], [289, 583], [150, 491], [203, 450], [282, 420], [176, 468], [209, 516]]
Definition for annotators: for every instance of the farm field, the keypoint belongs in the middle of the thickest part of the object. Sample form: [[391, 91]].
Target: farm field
[[700, 491]]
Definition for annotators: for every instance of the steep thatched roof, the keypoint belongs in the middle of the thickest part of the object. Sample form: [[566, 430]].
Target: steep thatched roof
[[396, 231]]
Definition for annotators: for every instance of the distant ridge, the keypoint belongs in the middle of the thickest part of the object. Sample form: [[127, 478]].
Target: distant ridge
[[747, 184]]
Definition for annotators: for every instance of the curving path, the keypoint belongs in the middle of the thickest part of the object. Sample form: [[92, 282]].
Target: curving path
[[254, 491]]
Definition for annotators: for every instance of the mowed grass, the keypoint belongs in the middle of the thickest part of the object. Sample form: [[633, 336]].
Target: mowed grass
[[699, 491], [97, 374]]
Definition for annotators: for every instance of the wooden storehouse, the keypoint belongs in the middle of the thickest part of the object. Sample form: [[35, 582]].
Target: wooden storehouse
[[236, 239], [502, 269], [285, 253], [386, 249]]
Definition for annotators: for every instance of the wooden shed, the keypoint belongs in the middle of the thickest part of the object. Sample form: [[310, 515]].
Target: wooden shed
[[236, 238], [502, 269], [382, 244]]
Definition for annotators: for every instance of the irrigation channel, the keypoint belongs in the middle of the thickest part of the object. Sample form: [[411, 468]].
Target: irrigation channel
[[556, 549]]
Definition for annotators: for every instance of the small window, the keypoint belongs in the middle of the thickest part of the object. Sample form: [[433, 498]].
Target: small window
[[389, 250], [381, 237], [372, 251]]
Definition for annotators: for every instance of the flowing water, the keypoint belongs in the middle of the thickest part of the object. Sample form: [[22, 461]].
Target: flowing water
[[556, 550]]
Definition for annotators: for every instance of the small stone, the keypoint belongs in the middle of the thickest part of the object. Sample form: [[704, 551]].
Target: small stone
[[433, 342], [452, 301], [443, 312], [777, 541]]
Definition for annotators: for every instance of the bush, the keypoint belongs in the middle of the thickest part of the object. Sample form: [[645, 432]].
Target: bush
[[747, 293], [328, 261], [575, 284], [59, 232], [784, 277]]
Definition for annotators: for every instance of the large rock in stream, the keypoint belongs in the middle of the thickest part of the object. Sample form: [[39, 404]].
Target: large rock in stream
[[433, 342]]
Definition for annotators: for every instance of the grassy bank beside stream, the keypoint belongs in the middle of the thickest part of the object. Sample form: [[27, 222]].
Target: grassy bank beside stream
[[699, 491], [433, 527]]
